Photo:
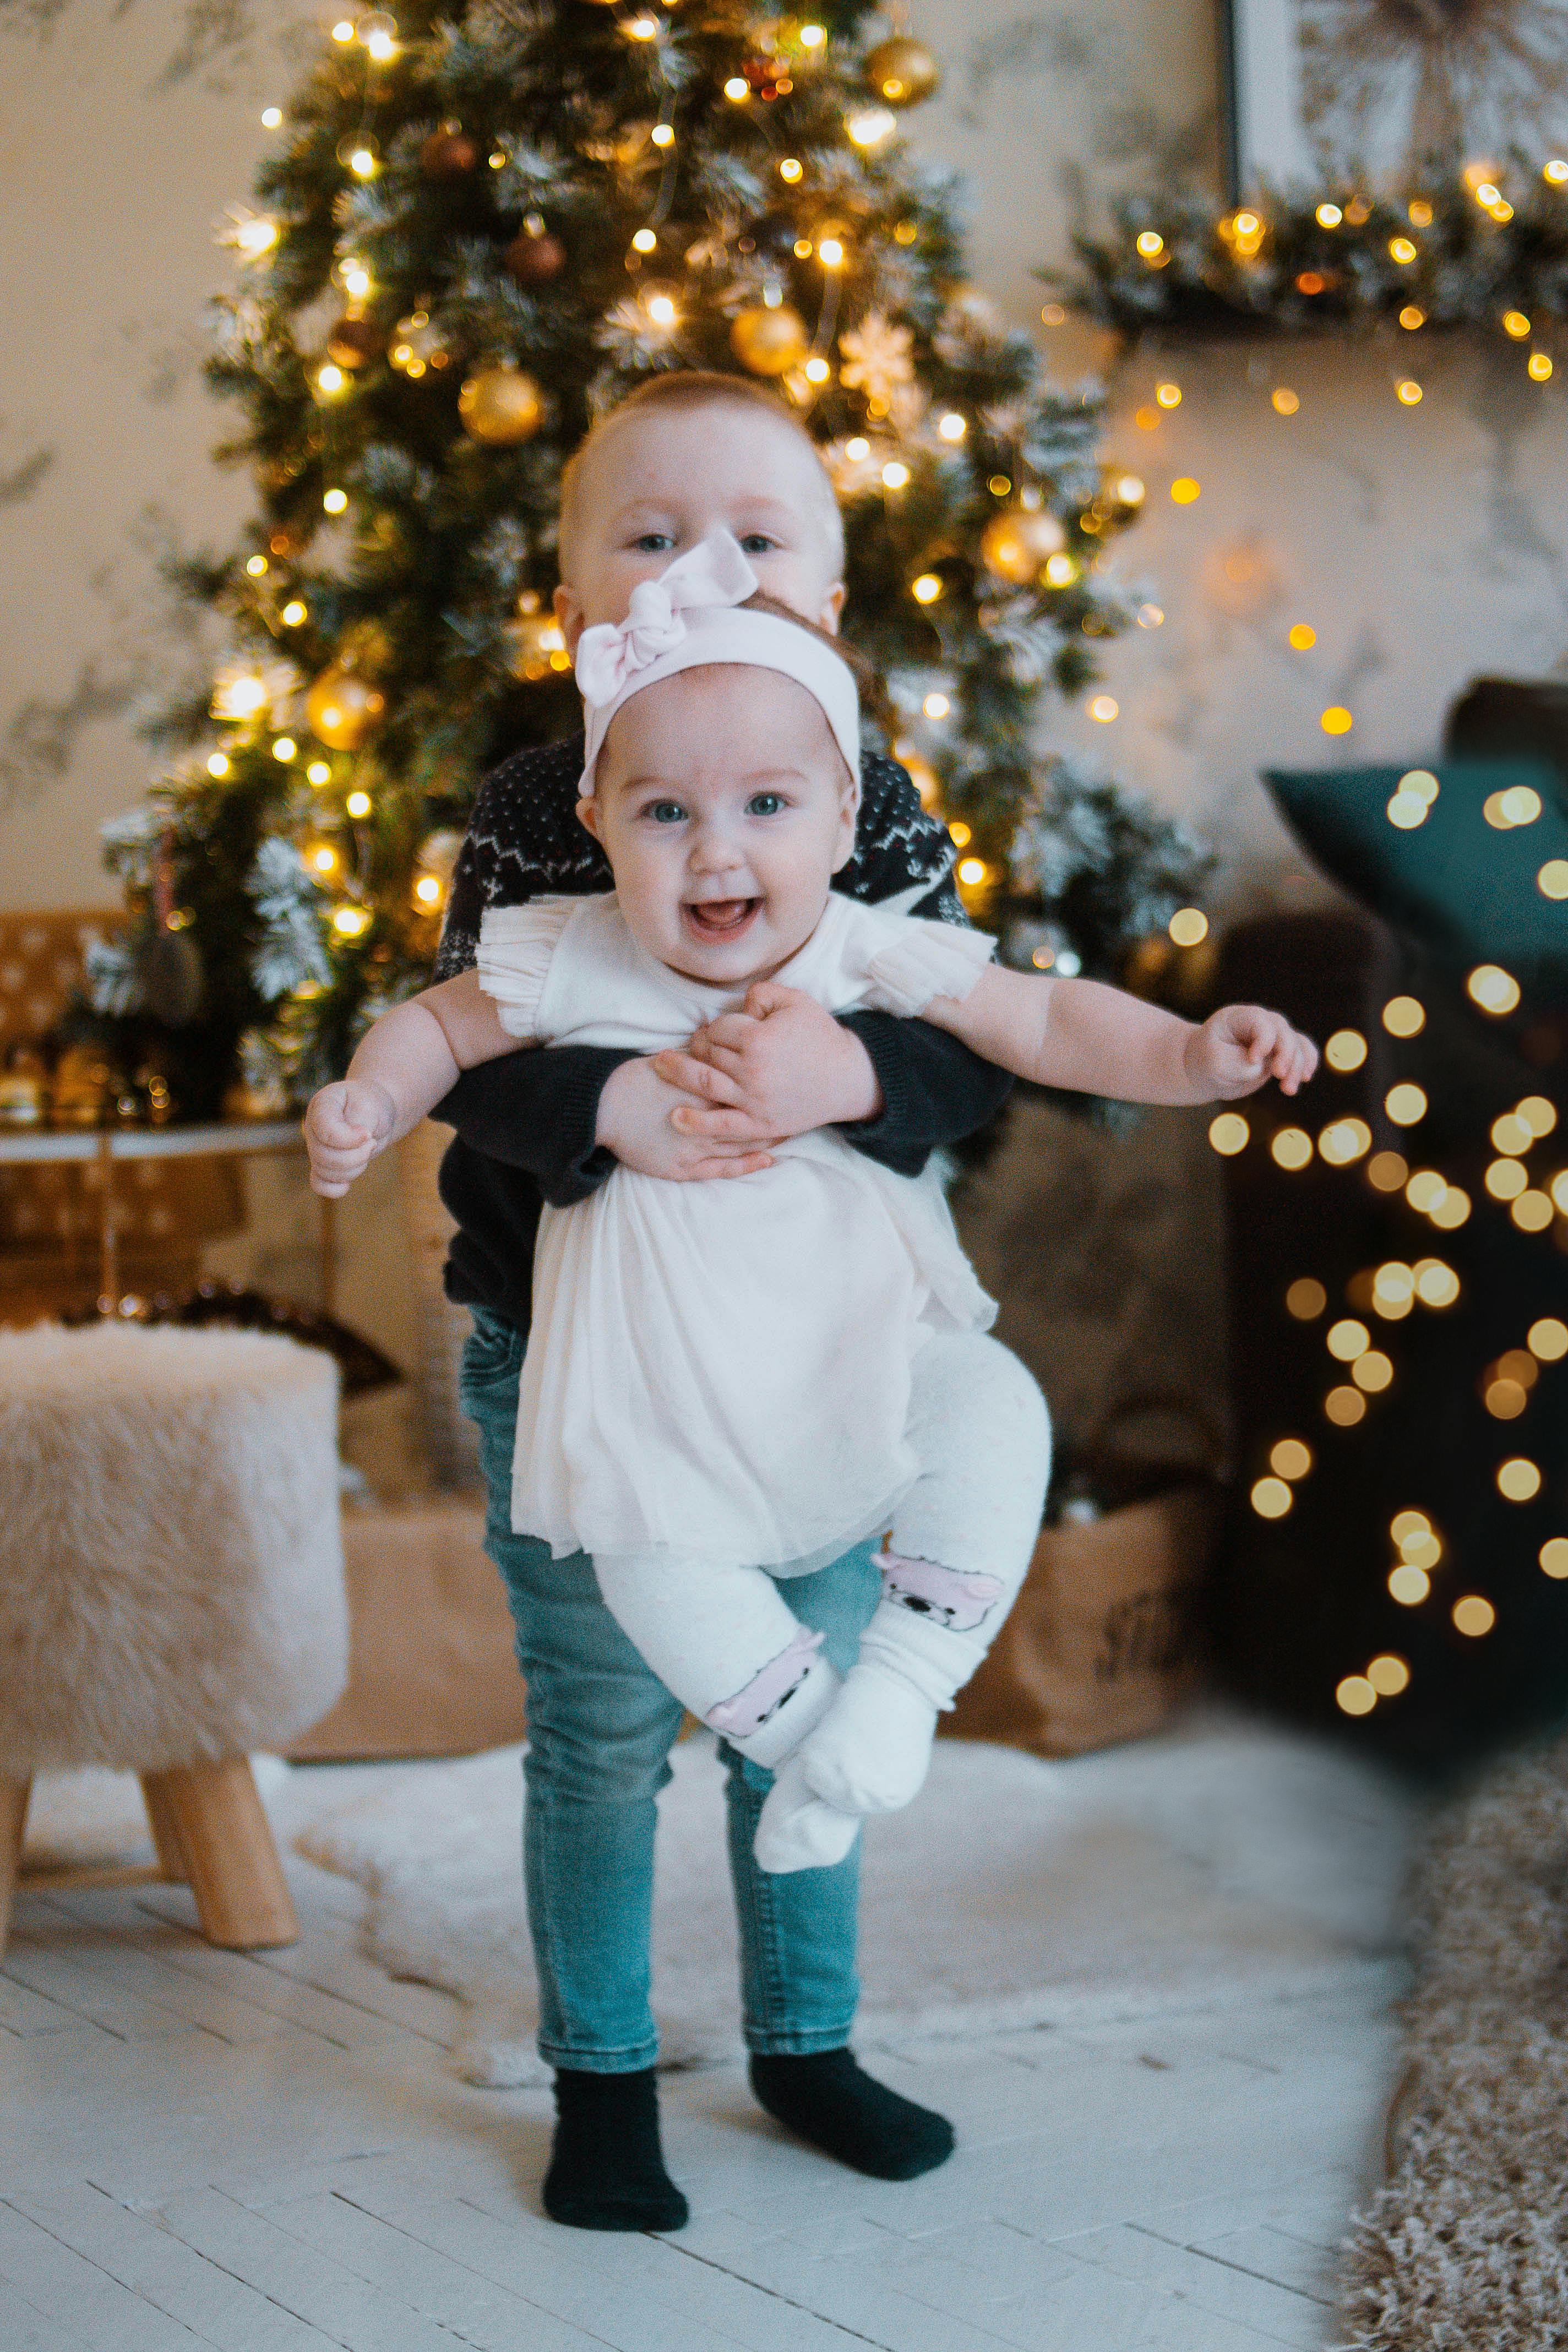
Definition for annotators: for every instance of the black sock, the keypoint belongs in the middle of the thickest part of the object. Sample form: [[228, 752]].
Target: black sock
[[606, 2168], [828, 2101]]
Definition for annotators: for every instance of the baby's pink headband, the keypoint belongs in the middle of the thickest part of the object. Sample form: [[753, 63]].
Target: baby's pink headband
[[690, 615]]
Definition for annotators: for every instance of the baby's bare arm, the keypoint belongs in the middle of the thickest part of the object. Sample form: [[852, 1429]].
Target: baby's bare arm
[[1096, 1040], [406, 1062], [469, 1019]]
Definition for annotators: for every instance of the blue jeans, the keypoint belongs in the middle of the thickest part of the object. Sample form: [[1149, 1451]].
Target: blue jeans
[[600, 1729]]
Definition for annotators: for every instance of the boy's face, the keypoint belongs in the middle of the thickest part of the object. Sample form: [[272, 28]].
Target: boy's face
[[657, 484], [725, 808]]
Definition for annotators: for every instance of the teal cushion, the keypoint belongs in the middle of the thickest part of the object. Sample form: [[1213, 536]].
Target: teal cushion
[[1465, 889]]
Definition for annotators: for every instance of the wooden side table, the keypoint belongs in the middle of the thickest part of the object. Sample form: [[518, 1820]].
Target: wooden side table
[[107, 1145]]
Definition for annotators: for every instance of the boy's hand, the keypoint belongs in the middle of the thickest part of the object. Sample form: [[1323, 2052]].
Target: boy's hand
[[783, 1060], [636, 1113], [346, 1126], [1241, 1047]]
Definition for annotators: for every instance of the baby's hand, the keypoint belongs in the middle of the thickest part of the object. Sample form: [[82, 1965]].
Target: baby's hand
[[346, 1126], [1241, 1047], [784, 1060], [638, 1111]]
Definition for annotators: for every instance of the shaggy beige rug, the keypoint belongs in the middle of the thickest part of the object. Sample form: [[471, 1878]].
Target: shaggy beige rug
[[1466, 2248]]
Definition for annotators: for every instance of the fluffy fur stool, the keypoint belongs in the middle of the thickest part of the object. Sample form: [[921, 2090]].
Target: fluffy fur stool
[[171, 1588]]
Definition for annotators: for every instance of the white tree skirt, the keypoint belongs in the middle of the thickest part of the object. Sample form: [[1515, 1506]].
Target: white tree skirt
[[1222, 1863]]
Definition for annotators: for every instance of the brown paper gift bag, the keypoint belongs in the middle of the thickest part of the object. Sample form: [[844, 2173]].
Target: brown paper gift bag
[[1100, 1642], [432, 1667]]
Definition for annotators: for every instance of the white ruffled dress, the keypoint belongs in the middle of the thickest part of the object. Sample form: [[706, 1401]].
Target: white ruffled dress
[[721, 1370]]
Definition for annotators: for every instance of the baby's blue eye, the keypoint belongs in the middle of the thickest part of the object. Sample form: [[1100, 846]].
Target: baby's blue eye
[[757, 542], [764, 804], [654, 542], [665, 811]]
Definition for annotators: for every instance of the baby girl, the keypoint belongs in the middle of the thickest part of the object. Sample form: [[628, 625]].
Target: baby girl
[[728, 1385]]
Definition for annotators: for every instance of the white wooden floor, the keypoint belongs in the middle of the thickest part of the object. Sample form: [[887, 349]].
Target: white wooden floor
[[271, 2154]]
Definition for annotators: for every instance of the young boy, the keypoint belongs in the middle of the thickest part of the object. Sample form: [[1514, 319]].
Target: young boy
[[684, 454]]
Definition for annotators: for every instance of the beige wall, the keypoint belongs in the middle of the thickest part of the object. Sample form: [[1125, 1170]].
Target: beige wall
[[110, 184]]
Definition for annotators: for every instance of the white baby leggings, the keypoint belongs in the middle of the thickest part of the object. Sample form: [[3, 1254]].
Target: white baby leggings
[[725, 1642]]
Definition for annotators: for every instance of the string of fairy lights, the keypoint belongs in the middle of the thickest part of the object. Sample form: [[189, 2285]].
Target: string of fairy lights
[[1172, 265], [1465, 255], [1474, 243], [1359, 1370]]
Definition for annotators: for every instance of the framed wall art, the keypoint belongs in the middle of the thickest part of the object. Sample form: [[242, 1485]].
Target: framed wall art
[[1321, 91]]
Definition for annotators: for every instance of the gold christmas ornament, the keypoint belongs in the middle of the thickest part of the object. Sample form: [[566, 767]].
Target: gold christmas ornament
[[903, 71], [345, 708], [1019, 542], [500, 404], [769, 341]]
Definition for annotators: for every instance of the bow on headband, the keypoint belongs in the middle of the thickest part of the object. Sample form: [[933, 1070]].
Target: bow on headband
[[714, 573], [694, 614]]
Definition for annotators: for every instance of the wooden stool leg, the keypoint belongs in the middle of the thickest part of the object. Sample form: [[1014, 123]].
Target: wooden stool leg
[[14, 1796], [165, 1829], [225, 1844]]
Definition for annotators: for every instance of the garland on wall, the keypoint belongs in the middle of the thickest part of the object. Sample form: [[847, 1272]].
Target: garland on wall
[[1473, 245]]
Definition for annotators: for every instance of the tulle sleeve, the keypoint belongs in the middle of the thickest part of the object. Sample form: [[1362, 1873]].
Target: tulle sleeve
[[926, 960], [517, 946]]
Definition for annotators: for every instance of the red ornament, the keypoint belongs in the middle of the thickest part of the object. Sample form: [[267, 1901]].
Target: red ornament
[[448, 153], [534, 257]]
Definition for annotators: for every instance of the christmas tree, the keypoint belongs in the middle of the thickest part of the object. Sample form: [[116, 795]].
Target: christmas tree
[[475, 234]]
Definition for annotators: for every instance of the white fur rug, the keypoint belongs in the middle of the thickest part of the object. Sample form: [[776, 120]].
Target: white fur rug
[[81, 1820], [1220, 1864]]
